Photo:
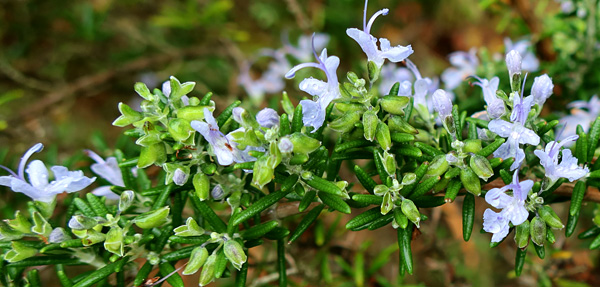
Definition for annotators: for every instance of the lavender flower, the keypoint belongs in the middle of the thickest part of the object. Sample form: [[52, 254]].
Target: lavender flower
[[515, 132], [464, 64], [495, 105], [302, 52], [368, 43], [109, 170], [271, 81], [567, 168], [513, 207], [513, 63], [442, 103], [541, 89], [529, 62], [267, 118], [313, 113], [38, 188], [221, 146]]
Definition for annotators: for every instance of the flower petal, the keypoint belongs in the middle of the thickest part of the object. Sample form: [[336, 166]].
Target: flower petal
[[501, 127], [38, 174]]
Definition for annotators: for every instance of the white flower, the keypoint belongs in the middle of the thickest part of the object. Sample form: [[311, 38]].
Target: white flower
[[568, 167], [109, 170]]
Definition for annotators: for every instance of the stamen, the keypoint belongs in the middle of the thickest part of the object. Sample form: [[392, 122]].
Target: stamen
[[365, 16], [380, 12], [293, 71], [413, 68], [312, 42], [9, 171], [36, 148]]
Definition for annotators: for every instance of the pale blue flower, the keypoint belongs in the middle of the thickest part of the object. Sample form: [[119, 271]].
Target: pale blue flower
[[271, 81], [390, 74], [541, 89], [109, 170], [313, 112], [495, 105], [221, 146], [529, 62], [285, 145], [568, 167], [512, 205], [39, 188], [515, 133], [464, 64], [368, 43], [582, 113], [514, 63]]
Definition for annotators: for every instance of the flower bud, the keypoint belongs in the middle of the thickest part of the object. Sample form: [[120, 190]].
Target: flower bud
[[438, 166], [481, 166], [409, 178], [154, 153], [125, 200], [537, 230], [442, 103], [19, 252], [394, 104], [207, 274], [201, 184], [236, 114], [191, 228], [370, 122], [381, 189], [472, 145], [387, 204], [550, 217], [373, 71], [522, 234], [389, 163], [81, 222], [217, 193], [180, 177], [285, 145], [304, 144], [263, 172], [411, 211], [513, 63], [267, 118], [345, 123], [58, 235], [152, 218], [92, 237], [197, 259], [397, 124], [470, 181], [235, 253], [114, 240], [541, 89], [383, 137], [180, 129], [405, 89]]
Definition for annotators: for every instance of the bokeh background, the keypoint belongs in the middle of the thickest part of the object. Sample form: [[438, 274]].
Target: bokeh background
[[64, 66]]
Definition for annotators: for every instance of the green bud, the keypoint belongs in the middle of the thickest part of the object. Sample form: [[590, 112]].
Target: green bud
[[394, 104], [381, 189], [537, 230], [114, 241], [398, 124], [126, 199], [193, 113], [411, 211], [481, 166], [153, 218], [180, 129], [191, 228], [353, 78], [472, 145], [142, 90], [40, 225], [19, 252], [373, 70], [383, 136], [151, 154], [197, 259], [274, 155], [287, 105], [20, 223], [235, 253], [345, 123], [438, 166], [550, 217], [389, 163], [128, 116], [92, 237], [304, 144], [522, 234], [263, 172], [82, 222], [207, 274], [470, 181], [201, 184], [370, 122], [7, 233], [387, 204], [448, 122]]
